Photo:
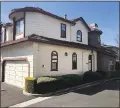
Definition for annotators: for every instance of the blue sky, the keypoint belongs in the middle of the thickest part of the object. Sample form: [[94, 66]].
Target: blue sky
[[105, 14]]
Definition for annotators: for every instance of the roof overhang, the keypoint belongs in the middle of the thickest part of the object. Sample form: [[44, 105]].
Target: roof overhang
[[39, 10], [42, 39], [84, 22]]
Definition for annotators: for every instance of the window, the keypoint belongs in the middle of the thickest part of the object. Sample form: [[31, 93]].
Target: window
[[74, 61], [19, 26], [63, 30], [54, 61], [111, 68], [79, 36]]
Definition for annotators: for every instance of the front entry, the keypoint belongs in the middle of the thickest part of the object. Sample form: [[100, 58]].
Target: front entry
[[90, 62]]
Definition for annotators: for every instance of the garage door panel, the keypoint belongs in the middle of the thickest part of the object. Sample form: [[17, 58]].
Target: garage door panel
[[25, 74], [19, 73], [12, 68], [7, 76], [18, 78], [15, 72], [12, 77], [12, 72]]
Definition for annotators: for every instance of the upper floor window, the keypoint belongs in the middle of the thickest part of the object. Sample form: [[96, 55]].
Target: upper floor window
[[63, 30], [74, 61], [79, 36], [20, 26], [54, 61]]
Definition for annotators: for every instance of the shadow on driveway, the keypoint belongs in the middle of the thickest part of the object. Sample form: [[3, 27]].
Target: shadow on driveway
[[111, 85]]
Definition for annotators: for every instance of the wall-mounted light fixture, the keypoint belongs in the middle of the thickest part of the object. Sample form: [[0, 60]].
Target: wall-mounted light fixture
[[66, 54]]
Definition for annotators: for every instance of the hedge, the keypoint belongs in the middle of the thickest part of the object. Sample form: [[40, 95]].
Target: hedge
[[54, 83], [90, 76], [115, 74], [30, 84], [103, 73]]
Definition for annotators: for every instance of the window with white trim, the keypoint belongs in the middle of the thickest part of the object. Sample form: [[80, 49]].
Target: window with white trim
[[54, 61], [79, 36]]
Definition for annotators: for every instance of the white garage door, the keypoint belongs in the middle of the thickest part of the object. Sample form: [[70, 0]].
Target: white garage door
[[15, 72]]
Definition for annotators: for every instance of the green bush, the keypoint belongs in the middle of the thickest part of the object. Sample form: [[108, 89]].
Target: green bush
[[90, 76], [54, 83], [115, 74], [30, 84], [103, 74]]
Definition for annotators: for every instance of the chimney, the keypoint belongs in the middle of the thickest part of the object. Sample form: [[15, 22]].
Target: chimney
[[93, 26], [65, 16]]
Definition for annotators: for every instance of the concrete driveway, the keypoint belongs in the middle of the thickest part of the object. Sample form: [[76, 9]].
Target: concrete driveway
[[11, 95], [103, 95]]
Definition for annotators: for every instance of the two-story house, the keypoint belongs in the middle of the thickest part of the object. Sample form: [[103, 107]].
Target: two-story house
[[38, 43]]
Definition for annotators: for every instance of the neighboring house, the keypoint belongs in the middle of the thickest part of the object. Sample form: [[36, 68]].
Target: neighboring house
[[106, 58], [38, 43], [113, 48], [116, 50]]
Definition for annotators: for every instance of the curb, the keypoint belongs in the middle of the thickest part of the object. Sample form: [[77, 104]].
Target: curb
[[71, 88]]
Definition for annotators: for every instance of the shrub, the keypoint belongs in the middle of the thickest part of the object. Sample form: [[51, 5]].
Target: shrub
[[115, 74], [91, 76], [103, 74], [51, 84], [30, 84]]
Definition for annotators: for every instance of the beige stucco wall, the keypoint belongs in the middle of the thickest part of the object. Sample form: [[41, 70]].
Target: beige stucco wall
[[39, 54], [42, 56]]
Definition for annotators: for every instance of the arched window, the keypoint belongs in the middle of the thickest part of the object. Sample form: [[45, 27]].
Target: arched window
[[79, 36], [74, 61], [54, 61]]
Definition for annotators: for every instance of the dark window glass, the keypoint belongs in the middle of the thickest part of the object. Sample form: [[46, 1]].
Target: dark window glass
[[63, 30], [54, 61], [79, 36], [19, 26], [74, 61]]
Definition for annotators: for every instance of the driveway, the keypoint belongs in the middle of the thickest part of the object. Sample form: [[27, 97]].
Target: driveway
[[103, 95], [11, 95]]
